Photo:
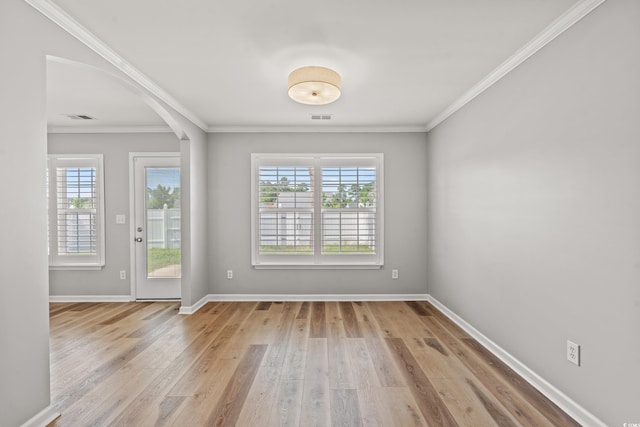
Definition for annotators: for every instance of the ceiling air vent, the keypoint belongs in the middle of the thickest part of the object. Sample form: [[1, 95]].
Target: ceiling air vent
[[321, 117], [80, 117]]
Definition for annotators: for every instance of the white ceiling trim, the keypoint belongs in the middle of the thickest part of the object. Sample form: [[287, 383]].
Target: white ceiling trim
[[315, 129], [109, 129], [71, 26], [559, 26], [66, 22]]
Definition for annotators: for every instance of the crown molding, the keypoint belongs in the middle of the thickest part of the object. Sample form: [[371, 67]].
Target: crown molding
[[74, 28], [316, 129], [240, 129], [559, 26], [109, 129]]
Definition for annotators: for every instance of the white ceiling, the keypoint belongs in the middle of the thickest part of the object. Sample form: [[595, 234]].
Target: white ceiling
[[227, 62], [74, 90]]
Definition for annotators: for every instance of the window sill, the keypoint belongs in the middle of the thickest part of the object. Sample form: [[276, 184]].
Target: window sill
[[75, 267], [317, 266]]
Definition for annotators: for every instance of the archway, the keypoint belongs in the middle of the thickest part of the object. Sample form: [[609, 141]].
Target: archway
[[78, 92]]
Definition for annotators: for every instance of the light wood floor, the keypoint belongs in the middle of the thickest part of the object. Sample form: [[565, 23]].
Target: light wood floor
[[287, 364]]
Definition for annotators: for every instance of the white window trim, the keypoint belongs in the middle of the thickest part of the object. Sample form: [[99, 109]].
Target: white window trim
[[317, 261], [57, 262]]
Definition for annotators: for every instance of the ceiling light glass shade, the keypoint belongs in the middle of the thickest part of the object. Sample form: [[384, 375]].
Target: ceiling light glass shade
[[314, 85]]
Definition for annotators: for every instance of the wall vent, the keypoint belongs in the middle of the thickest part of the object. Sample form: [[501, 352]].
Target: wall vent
[[321, 117]]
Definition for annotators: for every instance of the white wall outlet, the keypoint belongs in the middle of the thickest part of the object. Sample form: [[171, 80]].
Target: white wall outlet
[[229, 274], [123, 274], [121, 219], [394, 273], [573, 353]]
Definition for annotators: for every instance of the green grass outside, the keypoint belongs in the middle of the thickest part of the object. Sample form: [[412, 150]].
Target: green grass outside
[[159, 257]]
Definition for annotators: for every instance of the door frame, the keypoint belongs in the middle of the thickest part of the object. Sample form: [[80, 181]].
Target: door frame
[[132, 214]]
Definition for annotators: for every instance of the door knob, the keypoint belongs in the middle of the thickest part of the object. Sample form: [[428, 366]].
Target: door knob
[[138, 239]]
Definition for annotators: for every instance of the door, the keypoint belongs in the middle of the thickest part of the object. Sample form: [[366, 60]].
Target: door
[[156, 225]]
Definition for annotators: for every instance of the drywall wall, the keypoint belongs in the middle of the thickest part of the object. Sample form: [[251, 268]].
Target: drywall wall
[[195, 221], [230, 224], [26, 38], [115, 148], [24, 320], [534, 212]]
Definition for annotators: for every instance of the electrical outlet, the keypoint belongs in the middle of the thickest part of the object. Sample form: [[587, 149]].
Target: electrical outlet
[[573, 353], [229, 274], [394, 273], [123, 274]]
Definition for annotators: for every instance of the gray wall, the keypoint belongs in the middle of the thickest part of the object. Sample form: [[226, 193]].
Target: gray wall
[[195, 222], [26, 37], [24, 321], [534, 226], [230, 224], [534, 220], [115, 148]]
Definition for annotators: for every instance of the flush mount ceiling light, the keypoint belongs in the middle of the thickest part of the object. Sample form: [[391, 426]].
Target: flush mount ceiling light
[[314, 85]]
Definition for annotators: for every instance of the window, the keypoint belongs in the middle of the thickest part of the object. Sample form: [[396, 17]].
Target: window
[[76, 225], [317, 210]]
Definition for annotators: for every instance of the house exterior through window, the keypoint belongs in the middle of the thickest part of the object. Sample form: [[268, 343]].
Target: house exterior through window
[[76, 206], [317, 210]]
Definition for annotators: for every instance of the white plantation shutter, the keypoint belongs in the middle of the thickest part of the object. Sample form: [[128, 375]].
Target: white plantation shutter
[[316, 210], [76, 210], [285, 210], [76, 230], [349, 210]]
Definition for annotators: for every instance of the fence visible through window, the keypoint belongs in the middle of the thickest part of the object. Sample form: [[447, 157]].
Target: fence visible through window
[[163, 242], [317, 210]]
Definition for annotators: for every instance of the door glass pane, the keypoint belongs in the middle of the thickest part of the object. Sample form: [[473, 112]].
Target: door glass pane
[[163, 222]]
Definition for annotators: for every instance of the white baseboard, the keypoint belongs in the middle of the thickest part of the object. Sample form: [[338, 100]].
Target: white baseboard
[[42, 418], [249, 297], [190, 309], [90, 298], [577, 412], [317, 297], [299, 297]]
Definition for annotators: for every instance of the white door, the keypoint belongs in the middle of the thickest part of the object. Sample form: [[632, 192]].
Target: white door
[[156, 227]]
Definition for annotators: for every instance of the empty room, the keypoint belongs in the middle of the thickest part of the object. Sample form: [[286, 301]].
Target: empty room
[[284, 213]]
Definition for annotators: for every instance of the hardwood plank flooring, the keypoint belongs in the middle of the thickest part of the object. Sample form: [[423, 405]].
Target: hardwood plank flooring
[[280, 364]]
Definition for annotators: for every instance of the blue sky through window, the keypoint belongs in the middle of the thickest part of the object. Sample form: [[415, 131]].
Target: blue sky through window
[[80, 183], [167, 177]]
